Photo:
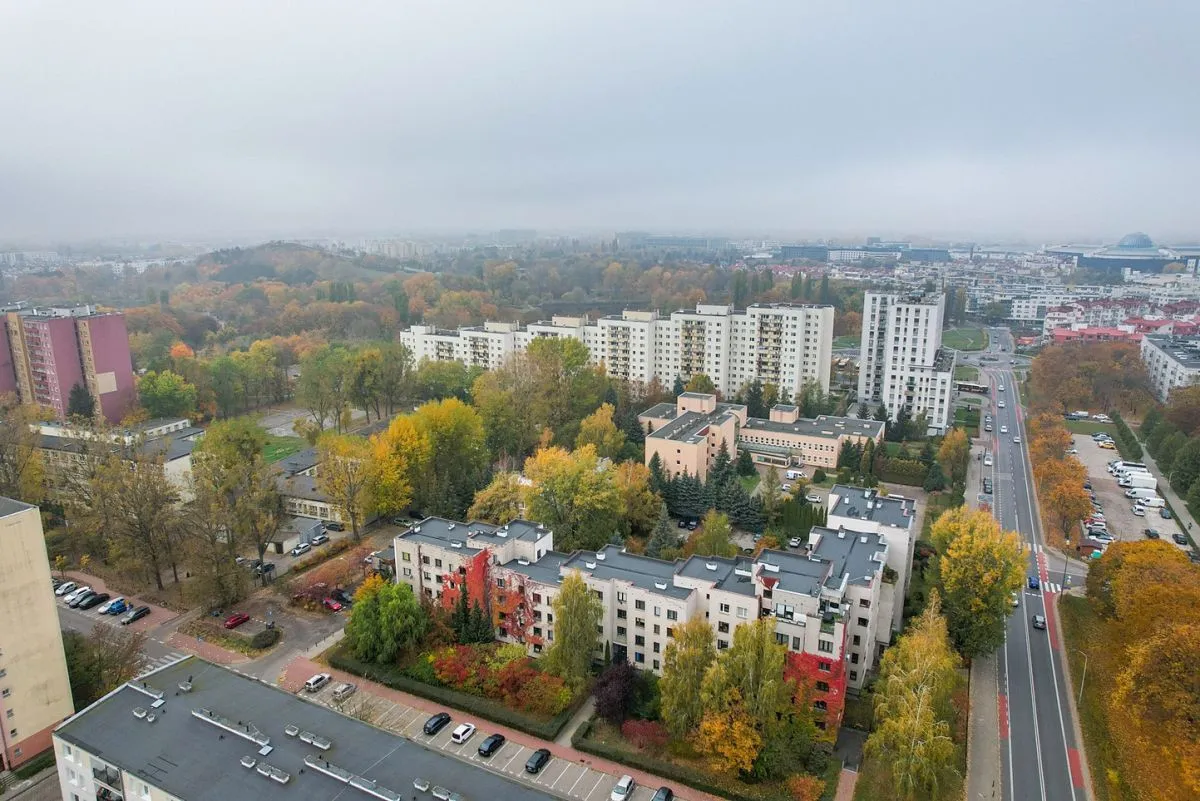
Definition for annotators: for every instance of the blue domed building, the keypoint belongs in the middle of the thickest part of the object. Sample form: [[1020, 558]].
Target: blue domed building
[[1135, 251]]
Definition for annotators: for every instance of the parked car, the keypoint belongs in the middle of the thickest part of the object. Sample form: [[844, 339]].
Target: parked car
[[1034, 583], [692, 525], [320, 539], [94, 600], [1039, 621], [117, 607], [344, 597], [812, 497], [463, 733], [303, 547], [331, 605], [623, 789], [436, 722], [344, 691], [1152, 534], [107, 608], [1016, 599], [663, 794], [491, 745], [1179, 538], [75, 593], [134, 615], [316, 682], [537, 760], [264, 568], [334, 525], [236, 619], [1108, 446], [78, 599], [65, 589], [794, 542], [1164, 513]]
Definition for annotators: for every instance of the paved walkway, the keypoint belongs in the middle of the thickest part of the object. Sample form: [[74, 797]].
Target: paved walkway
[[300, 669], [583, 715], [846, 784], [1185, 521]]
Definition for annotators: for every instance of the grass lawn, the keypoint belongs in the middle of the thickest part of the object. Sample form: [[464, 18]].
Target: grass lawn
[[1081, 629], [282, 447], [847, 341], [965, 339], [1089, 427], [750, 482], [966, 372]]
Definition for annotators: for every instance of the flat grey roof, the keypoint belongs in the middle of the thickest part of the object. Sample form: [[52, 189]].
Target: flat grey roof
[[1185, 351], [796, 573], [171, 446], [298, 462], [546, 570], [729, 574], [641, 571], [10, 506], [891, 510], [301, 486], [825, 426], [660, 411], [474, 535], [195, 759], [848, 553]]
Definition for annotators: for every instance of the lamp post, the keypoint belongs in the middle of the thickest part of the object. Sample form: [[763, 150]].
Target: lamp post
[[1083, 678]]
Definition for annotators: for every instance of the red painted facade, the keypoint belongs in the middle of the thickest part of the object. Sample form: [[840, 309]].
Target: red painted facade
[[823, 678]]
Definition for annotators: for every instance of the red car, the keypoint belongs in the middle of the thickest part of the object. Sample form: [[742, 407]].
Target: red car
[[332, 605], [236, 619]]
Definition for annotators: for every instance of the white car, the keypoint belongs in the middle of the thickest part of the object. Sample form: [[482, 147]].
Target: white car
[[623, 789], [1001, 387], [786, 487], [78, 592], [1139, 511], [794, 542], [1003, 429], [63, 589], [463, 732], [1000, 404], [812, 497], [303, 547], [1016, 440]]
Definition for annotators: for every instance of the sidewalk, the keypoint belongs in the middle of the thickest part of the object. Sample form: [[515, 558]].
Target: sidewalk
[[298, 671], [1183, 516]]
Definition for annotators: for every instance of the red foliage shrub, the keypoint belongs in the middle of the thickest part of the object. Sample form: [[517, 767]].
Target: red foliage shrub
[[518, 683], [646, 735]]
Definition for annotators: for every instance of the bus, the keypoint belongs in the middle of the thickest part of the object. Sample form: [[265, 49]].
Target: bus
[[970, 386]]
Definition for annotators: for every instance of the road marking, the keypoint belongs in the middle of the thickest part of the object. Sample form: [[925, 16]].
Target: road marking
[[577, 781], [1076, 769], [520, 748], [594, 786], [1002, 700], [560, 776]]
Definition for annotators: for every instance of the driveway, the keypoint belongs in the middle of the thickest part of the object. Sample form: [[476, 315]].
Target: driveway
[[1122, 523]]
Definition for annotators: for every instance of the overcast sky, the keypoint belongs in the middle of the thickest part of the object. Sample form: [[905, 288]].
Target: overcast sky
[[1045, 119]]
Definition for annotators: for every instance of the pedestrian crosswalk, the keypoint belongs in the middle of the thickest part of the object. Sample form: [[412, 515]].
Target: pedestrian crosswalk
[[1051, 587], [150, 663]]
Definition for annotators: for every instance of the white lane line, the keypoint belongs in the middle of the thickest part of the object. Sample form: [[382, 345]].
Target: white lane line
[[577, 781], [520, 748], [594, 786]]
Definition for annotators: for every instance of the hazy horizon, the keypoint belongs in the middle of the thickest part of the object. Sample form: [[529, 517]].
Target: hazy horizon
[[215, 120]]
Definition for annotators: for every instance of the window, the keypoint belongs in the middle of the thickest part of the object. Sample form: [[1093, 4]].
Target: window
[[672, 614], [639, 622], [820, 705], [723, 627], [67, 751], [656, 664], [500, 583], [656, 647], [857, 640], [424, 560], [621, 597], [639, 605], [639, 657], [862, 621], [741, 612], [658, 611], [620, 631], [9, 713], [797, 644], [639, 640], [537, 597], [656, 629], [825, 646], [722, 645], [822, 686], [405, 556], [854, 658], [408, 572], [437, 563], [622, 614], [782, 639], [724, 609], [427, 577], [5, 692], [670, 631], [784, 610], [854, 675], [12, 733]]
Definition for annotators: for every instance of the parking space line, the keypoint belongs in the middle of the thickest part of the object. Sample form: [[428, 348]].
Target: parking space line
[[520, 748], [565, 773], [577, 781], [566, 765], [599, 779]]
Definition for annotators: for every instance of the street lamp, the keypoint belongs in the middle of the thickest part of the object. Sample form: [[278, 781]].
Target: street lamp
[[1082, 678]]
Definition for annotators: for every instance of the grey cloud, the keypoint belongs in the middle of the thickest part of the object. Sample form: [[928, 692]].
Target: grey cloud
[[1023, 119]]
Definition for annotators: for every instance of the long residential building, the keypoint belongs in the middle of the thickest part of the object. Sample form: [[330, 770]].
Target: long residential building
[[835, 602], [195, 731], [46, 352], [903, 363], [688, 435], [788, 345], [35, 692], [1171, 362]]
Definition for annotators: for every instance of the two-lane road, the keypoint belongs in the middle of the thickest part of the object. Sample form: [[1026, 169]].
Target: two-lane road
[[1039, 752]]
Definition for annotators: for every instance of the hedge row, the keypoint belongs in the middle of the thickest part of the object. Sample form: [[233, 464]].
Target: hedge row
[[1128, 443], [35, 765], [668, 770], [903, 471], [391, 676]]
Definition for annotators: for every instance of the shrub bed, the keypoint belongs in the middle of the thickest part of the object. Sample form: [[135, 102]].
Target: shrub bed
[[397, 678], [35, 765], [1128, 443]]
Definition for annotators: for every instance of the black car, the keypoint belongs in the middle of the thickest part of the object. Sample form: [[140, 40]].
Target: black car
[[663, 794], [1179, 538], [264, 568], [135, 615], [94, 600], [537, 760], [491, 745], [1152, 533], [437, 723], [334, 525], [76, 601], [342, 596]]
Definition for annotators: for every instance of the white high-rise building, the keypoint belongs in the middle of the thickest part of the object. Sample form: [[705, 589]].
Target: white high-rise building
[[903, 363], [778, 343]]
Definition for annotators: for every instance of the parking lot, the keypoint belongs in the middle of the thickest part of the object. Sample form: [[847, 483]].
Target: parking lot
[[559, 776], [1122, 523]]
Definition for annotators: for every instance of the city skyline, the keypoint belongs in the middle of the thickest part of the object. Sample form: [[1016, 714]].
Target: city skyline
[[1008, 123]]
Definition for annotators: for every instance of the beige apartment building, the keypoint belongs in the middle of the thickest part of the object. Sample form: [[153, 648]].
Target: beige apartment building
[[831, 601], [35, 693], [688, 435]]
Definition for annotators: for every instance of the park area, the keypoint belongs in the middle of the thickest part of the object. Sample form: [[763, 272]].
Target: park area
[[965, 339]]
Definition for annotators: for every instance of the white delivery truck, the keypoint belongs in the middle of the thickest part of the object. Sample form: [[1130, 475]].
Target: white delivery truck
[[1152, 503], [792, 475], [1125, 477], [1140, 494], [1141, 481]]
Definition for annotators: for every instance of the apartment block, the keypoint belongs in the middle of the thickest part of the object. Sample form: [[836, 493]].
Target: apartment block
[[689, 434], [903, 363], [195, 731], [1171, 362], [784, 344], [51, 350], [832, 602], [35, 693]]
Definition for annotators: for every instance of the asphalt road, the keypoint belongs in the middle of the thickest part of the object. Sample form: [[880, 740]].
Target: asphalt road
[[1039, 752], [156, 652]]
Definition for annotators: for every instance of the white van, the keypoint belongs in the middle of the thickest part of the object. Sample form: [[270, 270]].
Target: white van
[[987, 459], [1151, 503], [1140, 493], [792, 475]]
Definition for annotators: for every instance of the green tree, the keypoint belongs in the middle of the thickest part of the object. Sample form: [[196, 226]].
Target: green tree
[[573, 495], [21, 468], [770, 495], [166, 394], [1150, 421], [577, 613], [1185, 468], [935, 481], [753, 398], [753, 665], [685, 664], [457, 463], [1169, 447], [498, 502], [386, 620], [702, 384], [712, 537], [345, 473], [977, 570], [80, 403], [664, 535], [745, 463], [599, 431]]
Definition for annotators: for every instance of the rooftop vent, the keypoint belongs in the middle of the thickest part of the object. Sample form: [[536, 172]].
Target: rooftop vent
[[456, 543], [523, 562], [502, 533], [185, 686], [450, 527], [590, 565], [600, 557], [711, 565], [660, 585], [151, 717], [139, 712], [770, 567], [248, 761], [291, 730], [841, 533], [863, 540], [541, 526]]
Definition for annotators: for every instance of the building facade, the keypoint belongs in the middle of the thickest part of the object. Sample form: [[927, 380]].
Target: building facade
[[688, 435], [903, 363], [35, 693], [1171, 362], [834, 601], [52, 350], [788, 345]]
